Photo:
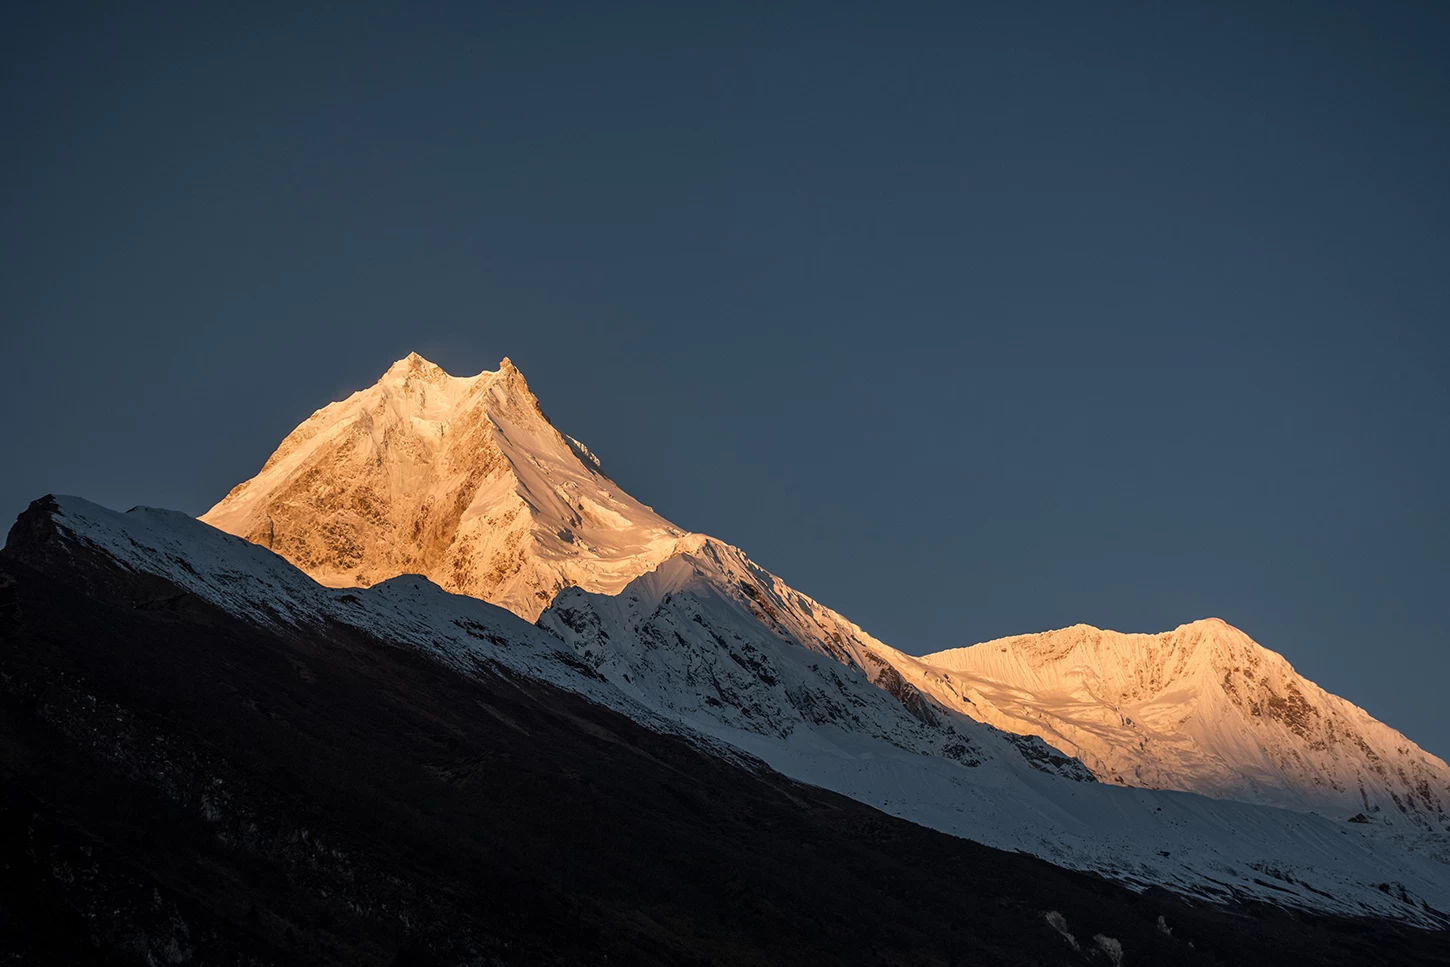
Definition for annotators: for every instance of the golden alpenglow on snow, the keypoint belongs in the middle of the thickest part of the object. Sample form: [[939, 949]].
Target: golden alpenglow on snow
[[465, 481], [460, 479], [1202, 708]]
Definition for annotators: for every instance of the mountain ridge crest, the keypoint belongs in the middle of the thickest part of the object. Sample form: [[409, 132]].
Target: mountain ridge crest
[[465, 481]]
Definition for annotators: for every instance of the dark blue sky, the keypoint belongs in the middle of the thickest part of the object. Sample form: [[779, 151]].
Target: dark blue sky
[[968, 321]]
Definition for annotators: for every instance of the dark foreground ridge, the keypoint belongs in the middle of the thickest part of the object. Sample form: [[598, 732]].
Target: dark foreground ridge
[[180, 787]]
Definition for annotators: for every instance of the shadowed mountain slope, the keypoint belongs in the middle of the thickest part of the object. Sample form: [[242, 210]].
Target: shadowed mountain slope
[[183, 784], [683, 652]]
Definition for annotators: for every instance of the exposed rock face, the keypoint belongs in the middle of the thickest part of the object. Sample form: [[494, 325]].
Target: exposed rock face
[[460, 479], [1203, 709]]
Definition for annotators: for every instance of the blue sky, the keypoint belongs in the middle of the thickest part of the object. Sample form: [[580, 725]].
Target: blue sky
[[968, 320]]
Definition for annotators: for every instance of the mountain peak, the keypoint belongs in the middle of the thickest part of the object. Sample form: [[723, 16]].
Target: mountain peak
[[509, 385], [412, 365], [462, 479], [1202, 708], [1211, 624]]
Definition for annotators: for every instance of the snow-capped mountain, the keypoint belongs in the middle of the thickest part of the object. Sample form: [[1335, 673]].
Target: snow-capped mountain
[[465, 481], [1202, 708], [712, 636], [461, 479], [678, 656]]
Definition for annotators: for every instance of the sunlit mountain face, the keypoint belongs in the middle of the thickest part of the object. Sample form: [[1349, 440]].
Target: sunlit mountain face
[[465, 481], [431, 654], [460, 479], [1202, 708]]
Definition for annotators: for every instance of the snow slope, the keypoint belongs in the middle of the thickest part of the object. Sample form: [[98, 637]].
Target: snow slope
[[711, 636], [461, 479], [680, 651], [1202, 708], [466, 481]]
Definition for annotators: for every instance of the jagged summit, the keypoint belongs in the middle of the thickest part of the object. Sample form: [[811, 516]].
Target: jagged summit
[[413, 361], [461, 479]]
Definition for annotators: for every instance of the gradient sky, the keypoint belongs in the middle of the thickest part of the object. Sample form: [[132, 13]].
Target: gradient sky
[[968, 321]]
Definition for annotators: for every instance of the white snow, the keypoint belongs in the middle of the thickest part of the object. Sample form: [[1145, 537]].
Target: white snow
[[761, 670], [683, 635], [1202, 708], [466, 481]]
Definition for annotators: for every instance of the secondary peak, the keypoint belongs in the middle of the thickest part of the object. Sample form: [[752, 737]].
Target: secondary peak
[[509, 376], [413, 364]]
